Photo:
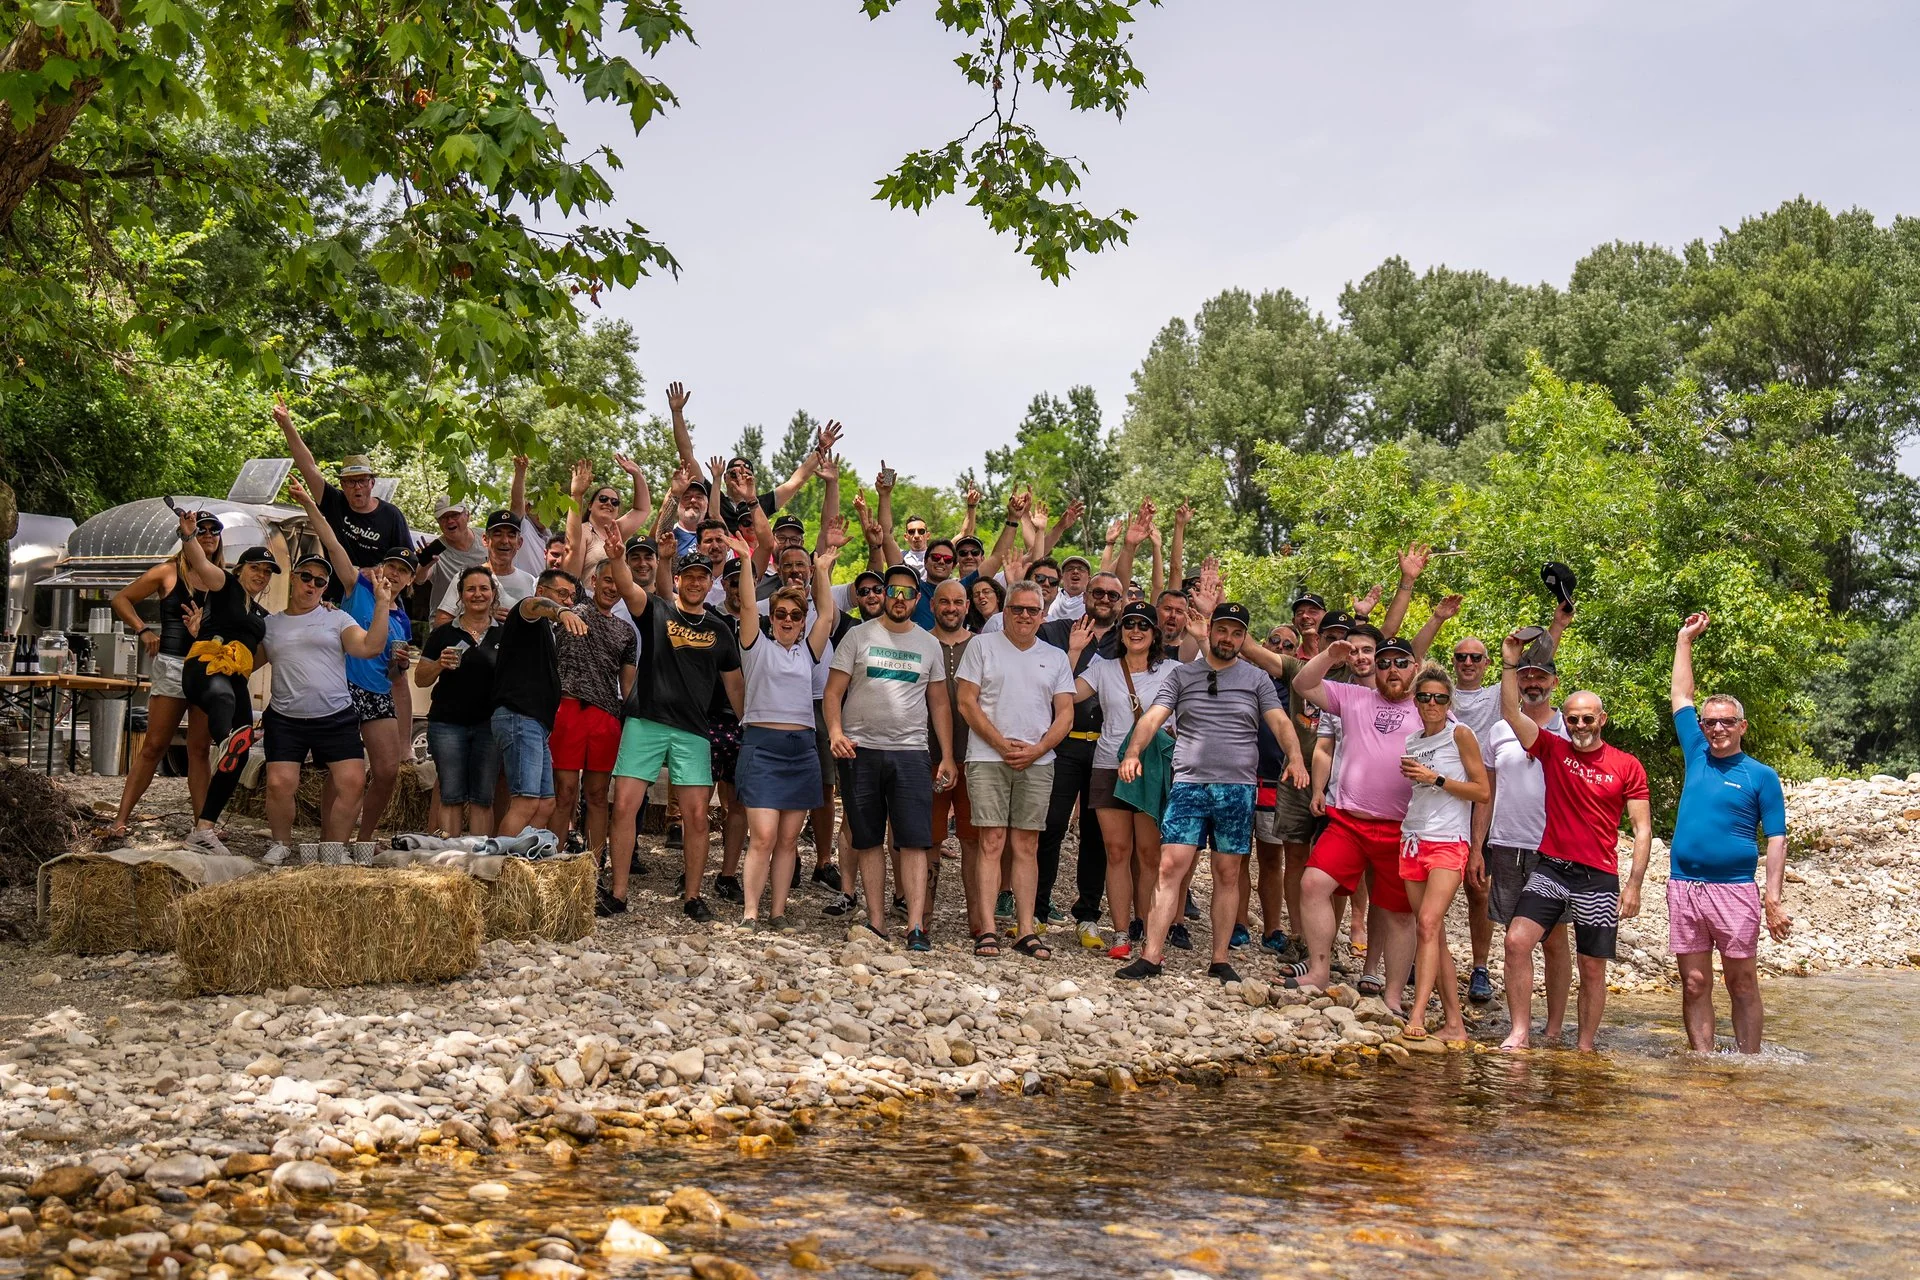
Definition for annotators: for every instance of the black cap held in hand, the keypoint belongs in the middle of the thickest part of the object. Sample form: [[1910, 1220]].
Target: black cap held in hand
[[1560, 581]]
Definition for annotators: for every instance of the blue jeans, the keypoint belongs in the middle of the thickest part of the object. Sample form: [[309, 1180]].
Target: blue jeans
[[466, 759], [522, 741]]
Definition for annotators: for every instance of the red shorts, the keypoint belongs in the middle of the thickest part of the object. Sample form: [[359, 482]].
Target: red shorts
[[584, 737], [1417, 857], [1351, 844]]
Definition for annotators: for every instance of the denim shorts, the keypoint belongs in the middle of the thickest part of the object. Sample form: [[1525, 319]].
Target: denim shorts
[[1196, 810], [522, 742], [467, 760]]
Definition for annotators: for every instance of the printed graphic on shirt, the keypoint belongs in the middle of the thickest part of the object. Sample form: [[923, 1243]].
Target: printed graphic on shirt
[[1389, 718], [685, 637], [893, 664]]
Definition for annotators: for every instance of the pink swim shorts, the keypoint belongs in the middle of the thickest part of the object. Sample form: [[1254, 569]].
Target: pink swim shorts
[[1703, 916]]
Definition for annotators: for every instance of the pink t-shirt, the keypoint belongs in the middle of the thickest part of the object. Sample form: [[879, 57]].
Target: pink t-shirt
[[1373, 738]]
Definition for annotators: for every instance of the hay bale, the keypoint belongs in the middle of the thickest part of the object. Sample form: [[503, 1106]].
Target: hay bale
[[552, 899], [330, 926], [91, 907], [157, 891], [38, 822]]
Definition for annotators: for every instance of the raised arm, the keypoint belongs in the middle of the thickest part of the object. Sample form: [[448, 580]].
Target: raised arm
[[1413, 562], [750, 612], [1016, 509], [576, 561], [762, 552], [1443, 611], [1310, 682], [1176, 556], [1562, 619], [371, 641], [677, 397], [517, 493], [202, 573], [1068, 518], [297, 449], [344, 570], [1136, 533], [829, 469], [1519, 721], [1111, 555], [636, 520], [833, 536], [967, 526], [683, 476], [1158, 582], [883, 515], [1681, 692], [631, 591]]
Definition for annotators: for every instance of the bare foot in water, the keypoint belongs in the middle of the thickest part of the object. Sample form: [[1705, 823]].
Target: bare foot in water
[[1452, 1033], [1518, 1039]]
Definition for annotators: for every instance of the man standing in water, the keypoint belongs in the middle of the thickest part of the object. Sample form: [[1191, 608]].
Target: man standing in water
[[1589, 784], [1729, 799]]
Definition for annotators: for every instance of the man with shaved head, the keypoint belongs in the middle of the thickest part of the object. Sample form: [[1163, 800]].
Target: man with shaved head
[[1588, 785]]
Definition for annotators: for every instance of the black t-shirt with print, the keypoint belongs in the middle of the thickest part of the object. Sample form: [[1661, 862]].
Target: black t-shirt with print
[[527, 675], [230, 614], [366, 536], [686, 655], [464, 695]]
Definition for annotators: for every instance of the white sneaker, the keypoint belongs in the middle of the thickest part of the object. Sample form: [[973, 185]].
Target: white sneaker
[[203, 838], [277, 854], [1090, 936]]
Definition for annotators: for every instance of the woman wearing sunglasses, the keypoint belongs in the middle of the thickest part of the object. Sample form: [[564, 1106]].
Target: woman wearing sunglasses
[[778, 774], [1443, 763], [985, 599], [1126, 686]]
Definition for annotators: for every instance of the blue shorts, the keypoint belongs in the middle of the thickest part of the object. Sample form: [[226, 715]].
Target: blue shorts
[[522, 742], [467, 760], [1196, 810]]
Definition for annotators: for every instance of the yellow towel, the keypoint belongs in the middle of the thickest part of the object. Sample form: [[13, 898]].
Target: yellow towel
[[231, 658]]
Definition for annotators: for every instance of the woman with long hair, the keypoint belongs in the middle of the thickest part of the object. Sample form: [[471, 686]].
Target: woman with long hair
[[1443, 764], [985, 598], [167, 646], [231, 627], [1126, 686], [457, 663]]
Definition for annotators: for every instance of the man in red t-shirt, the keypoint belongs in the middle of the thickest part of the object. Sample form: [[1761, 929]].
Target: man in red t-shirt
[[1588, 784]]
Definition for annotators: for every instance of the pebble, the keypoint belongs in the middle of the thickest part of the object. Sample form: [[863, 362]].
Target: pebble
[[625, 1240], [183, 1170], [491, 1192], [305, 1177]]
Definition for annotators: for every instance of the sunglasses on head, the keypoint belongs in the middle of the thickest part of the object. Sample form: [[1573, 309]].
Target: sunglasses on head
[[1434, 699], [312, 579], [1719, 722], [1023, 610], [1459, 656], [1046, 581], [1393, 664], [788, 615], [1583, 721]]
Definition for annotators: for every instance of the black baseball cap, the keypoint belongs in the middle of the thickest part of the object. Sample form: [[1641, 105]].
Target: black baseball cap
[[691, 560], [864, 575], [1335, 620], [1141, 610], [969, 540], [402, 556], [1560, 581], [314, 557], [906, 571], [1232, 611], [503, 519], [789, 522], [731, 569], [1393, 644], [701, 485], [257, 555], [1308, 598], [206, 520], [641, 542]]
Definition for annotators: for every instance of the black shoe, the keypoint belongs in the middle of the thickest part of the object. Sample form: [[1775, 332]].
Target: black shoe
[[676, 839], [900, 907], [841, 904], [1223, 971], [797, 873], [1137, 932], [727, 889], [1141, 968], [917, 940], [576, 843], [1179, 937], [605, 904], [829, 875], [639, 868], [1193, 908], [696, 910]]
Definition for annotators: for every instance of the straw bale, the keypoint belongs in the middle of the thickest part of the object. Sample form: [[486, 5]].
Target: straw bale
[[551, 898], [91, 907], [157, 891], [330, 926]]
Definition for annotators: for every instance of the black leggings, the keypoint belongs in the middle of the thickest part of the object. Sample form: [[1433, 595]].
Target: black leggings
[[228, 706]]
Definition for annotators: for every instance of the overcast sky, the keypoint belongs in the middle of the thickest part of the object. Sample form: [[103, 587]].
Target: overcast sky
[[1277, 145]]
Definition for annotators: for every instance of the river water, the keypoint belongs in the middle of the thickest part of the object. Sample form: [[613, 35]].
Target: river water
[[1640, 1160]]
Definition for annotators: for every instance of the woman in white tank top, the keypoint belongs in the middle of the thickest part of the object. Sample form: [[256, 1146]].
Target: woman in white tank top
[[1443, 764]]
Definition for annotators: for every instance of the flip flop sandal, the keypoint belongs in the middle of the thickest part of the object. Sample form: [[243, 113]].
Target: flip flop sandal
[[1413, 1031], [1369, 985], [1031, 946], [986, 944]]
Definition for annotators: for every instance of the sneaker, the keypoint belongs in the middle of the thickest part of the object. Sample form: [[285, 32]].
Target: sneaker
[[1193, 908], [1003, 905], [780, 924], [277, 854], [636, 869], [1141, 968], [696, 910], [1223, 971], [900, 907], [1480, 986], [203, 839], [233, 752], [1055, 915], [829, 876], [1120, 951], [1179, 937], [1239, 937], [917, 940], [861, 930], [1090, 936], [605, 904], [755, 925], [841, 904], [727, 889], [1275, 942], [1137, 932]]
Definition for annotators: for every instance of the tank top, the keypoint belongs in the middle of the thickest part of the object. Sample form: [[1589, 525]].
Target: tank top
[[951, 655], [232, 615], [1434, 814], [174, 640]]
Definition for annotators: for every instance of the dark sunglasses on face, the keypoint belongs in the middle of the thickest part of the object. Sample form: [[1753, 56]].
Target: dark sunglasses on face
[[1046, 582], [788, 615], [1434, 699], [1469, 657], [1720, 722], [916, 533], [606, 500], [1141, 624], [1285, 646], [312, 579], [1102, 593], [939, 559], [1395, 664], [1023, 610], [1583, 721], [870, 590]]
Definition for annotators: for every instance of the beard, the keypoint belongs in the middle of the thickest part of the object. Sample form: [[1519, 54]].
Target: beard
[[1583, 739], [1224, 652]]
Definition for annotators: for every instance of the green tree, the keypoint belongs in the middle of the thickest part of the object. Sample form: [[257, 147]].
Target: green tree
[[1063, 450], [803, 429], [1615, 326]]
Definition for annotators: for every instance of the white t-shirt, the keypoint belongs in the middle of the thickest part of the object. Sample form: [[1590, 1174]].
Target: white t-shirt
[[1066, 606], [451, 561], [508, 590], [826, 657], [1109, 684], [998, 622], [532, 555], [1432, 813], [779, 681], [1519, 788], [1479, 710], [309, 664], [1017, 688], [887, 677]]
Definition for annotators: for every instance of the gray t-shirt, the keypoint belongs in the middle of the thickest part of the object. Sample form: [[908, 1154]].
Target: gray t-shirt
[[309, 664], [1219, 740], [887, 677], [1479, 710], [1017, 688], [448, 566]]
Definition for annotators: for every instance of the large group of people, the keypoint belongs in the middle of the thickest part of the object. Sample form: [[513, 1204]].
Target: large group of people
[[968, 700]]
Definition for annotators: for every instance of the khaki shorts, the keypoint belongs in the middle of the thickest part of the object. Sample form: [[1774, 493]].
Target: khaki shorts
[[1290, 822], [1006, 797]]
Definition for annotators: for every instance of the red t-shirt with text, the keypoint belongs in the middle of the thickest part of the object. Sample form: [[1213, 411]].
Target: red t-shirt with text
[[1587, 791]]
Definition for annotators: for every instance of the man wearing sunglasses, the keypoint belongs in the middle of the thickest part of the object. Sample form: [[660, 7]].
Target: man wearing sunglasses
[[1588, 785], [368, 527], [1217, 704], [1073, 768], [1728, 802], [914, 554]]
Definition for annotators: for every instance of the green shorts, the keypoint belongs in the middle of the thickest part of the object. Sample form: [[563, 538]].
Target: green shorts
[[645, 745]]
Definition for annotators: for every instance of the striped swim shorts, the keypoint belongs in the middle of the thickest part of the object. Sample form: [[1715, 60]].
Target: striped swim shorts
[[1557, 891]]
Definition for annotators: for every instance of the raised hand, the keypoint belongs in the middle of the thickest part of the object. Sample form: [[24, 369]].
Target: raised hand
[[1116, 527], [829, 466], [582, 479], [1183, 516], [883, 483], [1413, 561], [1365, 604], [717, 468], [1080, 637], [620, 460], [1695, 626], [739, 485], [1071, 516], [1017, 505], [973, 498], [677, 397], [1447, 608], [682, 477], [189, 520], [383, 591], [1511, 648], [1342, 652], [191, 615], [833, 534], [282, 416], [1139, 527], [610, 541], [521, 462], [828, 438], [741, 547]]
